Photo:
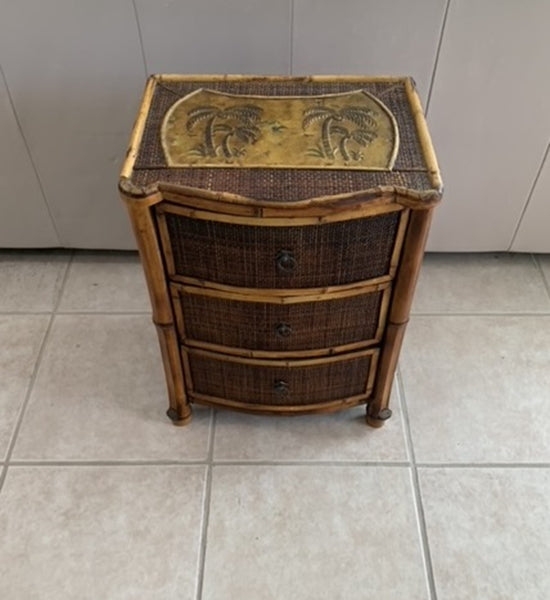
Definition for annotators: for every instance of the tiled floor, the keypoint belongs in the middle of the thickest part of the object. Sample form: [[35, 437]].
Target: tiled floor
[[102, 498]]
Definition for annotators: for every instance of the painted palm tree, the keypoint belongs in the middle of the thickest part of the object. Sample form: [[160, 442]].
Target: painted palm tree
[[332, 123], [246, 133], [245, 117]]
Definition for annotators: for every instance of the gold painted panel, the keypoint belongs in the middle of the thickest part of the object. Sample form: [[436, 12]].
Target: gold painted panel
[[353, 130]]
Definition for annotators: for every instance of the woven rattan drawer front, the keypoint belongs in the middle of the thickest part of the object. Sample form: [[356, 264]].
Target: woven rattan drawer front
[[282, 383], [268, 257], [274, 324]]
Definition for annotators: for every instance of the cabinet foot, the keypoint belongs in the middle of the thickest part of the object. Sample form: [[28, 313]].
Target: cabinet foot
[[379, 419], [177, 419]]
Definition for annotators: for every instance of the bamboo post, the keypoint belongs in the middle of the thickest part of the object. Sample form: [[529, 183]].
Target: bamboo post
[[139, 209], [405, 283]]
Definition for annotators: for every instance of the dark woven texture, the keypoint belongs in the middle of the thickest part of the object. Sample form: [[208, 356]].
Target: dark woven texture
[[242, 255], [259, 384], [282, 184], [281, 327]]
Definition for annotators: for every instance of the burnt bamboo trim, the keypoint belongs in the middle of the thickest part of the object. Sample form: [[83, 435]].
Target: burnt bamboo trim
[[271, 409], [292, 364], [290, 297], [405, 282], [138, 129], [172, 77], [423, 135], [382, 317], [283, 292], [371, 376], [166, 246], [277, 355], [248, 207], [417, 199], [399, 239], [293, 221]]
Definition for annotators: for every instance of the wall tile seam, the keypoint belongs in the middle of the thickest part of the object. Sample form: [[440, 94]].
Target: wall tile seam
[[437, 53], [30, 157], [532, 189]]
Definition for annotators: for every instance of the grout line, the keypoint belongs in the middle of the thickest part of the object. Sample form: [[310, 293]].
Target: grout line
[[291, 49], [106, 463], [529, 196], [541, 313], [544, 280], [104, 313], [34, 373], [75, 312], [488, 465], [424, 542], [140, 39], [266, 463], [438, 51], [484, 314], [206, 510], [31, 159], [16, 313], [309, 463]]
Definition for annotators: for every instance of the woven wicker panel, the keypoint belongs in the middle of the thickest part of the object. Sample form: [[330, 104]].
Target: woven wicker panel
[[281, 327], [249, 256], [282, 184], [285, 386]]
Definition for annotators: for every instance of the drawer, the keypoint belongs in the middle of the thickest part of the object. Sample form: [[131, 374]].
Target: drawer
[[270, 324], [269, 383], [267, 256]]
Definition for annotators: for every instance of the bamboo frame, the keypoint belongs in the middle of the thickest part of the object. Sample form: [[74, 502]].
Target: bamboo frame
[[145, 233], [279, 410], [405, 283], [291, 364], [272, 221], [163, 209], [177, 290], [319, 407], [147, 206]]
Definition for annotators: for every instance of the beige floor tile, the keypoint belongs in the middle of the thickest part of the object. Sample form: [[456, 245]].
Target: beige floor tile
[[100, 532], [490, 283], [488, 531], [105, 282], [477, 388], [337, 436], [21, 337], [30, 281], [306, 532], [100, 395]]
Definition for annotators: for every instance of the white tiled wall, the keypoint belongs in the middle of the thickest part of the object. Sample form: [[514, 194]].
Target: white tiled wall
[[74, 72]]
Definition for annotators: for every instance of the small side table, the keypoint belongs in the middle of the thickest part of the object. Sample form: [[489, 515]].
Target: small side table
[[281, 223]]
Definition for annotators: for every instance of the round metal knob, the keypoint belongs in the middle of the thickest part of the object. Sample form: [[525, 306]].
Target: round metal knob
[[281, 387], [283, 329], [285, 260]]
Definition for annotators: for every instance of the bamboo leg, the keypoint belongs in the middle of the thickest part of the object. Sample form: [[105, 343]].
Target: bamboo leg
[[413, 250], [139, 209]]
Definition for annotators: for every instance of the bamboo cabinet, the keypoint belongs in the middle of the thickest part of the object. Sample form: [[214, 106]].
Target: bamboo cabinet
[[281, 224]]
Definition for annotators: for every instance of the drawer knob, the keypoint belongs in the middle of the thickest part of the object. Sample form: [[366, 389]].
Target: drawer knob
[[281, 387], [283, 329], [286, 263]]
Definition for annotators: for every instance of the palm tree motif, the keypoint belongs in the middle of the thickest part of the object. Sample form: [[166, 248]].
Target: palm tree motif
[[238, 123], [333, 121]]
